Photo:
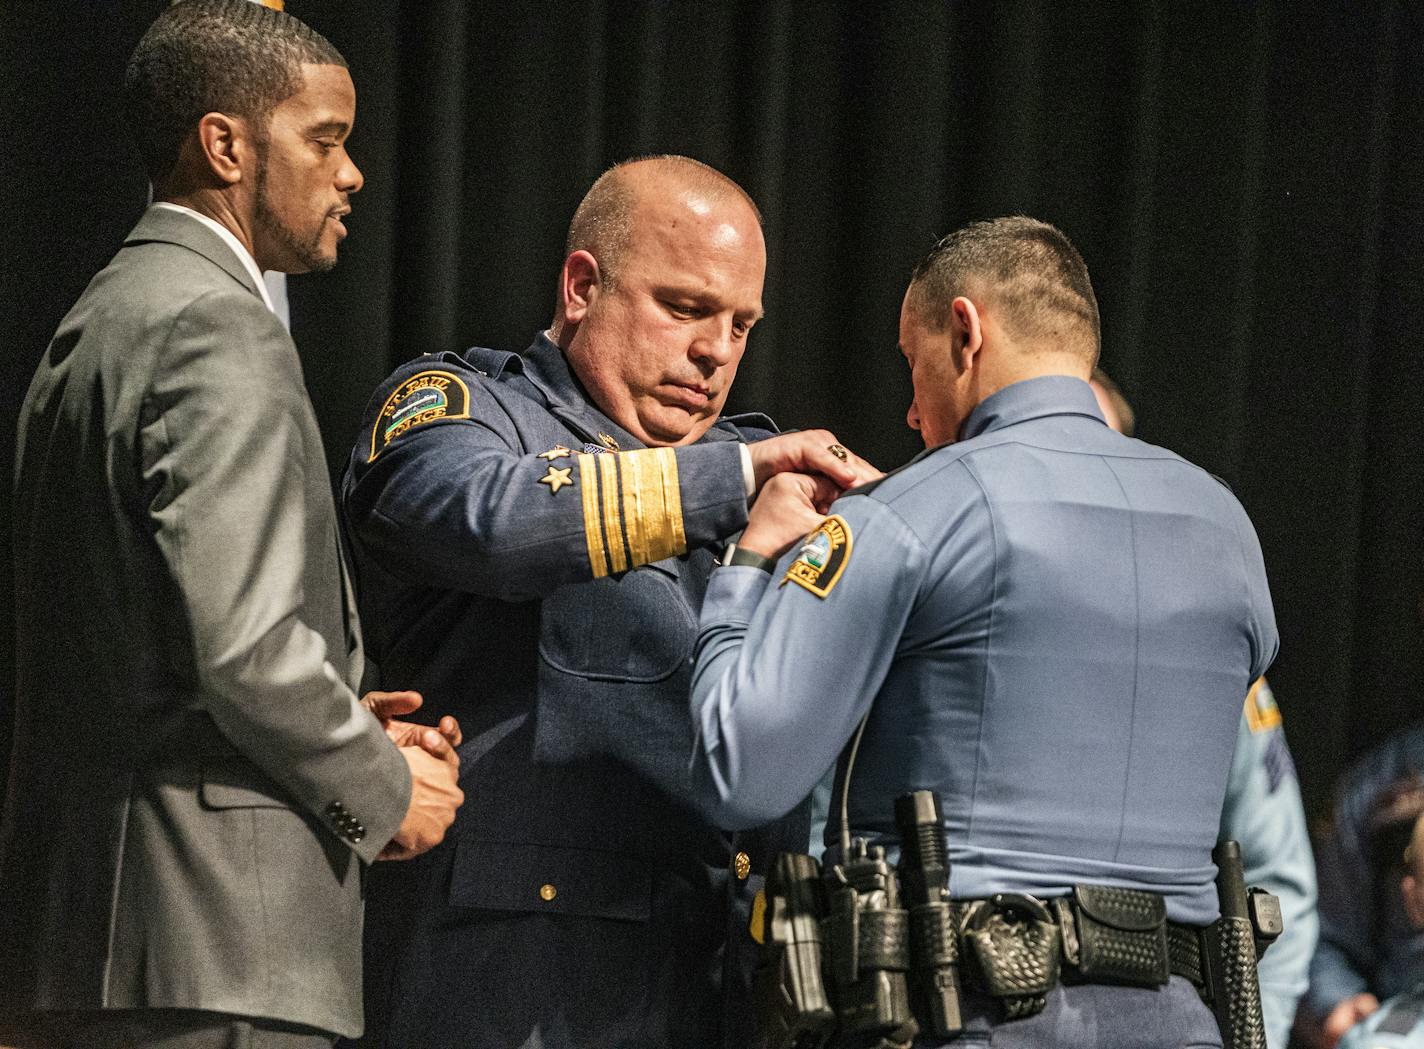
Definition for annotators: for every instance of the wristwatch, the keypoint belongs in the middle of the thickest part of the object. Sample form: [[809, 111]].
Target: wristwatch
[[732, 555]]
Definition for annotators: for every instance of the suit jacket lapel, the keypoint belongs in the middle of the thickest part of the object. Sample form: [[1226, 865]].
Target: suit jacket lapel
[[172, 227]]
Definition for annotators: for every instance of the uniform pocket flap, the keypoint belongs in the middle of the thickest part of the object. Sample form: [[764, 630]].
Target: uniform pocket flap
[[517, 876], [238, 784], [1126, 909]]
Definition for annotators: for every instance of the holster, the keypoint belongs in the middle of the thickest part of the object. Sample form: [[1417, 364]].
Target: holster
[[1114, 936]]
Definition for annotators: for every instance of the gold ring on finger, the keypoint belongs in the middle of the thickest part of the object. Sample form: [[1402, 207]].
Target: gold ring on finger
[[839, 452]]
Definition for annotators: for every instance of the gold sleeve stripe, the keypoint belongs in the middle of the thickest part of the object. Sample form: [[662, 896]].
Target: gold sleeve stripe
[[632, 508], [652, 504], [592, 520], [612, 520], [636, 508], [673, 496]]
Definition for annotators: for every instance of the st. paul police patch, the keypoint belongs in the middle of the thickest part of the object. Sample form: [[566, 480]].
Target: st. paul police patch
[[822, 557], [423, 398]]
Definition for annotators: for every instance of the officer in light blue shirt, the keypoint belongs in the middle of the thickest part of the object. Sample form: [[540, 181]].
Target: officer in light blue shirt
[[1047, 623], [1399, 1022], [1265, 814]]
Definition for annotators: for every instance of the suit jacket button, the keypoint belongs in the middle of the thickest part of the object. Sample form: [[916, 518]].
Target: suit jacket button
[[547, 892], [741, 865]]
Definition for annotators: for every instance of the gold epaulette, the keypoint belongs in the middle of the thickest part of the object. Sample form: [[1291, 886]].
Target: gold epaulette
[[632, 508]]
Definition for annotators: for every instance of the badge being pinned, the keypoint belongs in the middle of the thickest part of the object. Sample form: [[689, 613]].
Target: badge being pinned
[[423, 398], [822, 558]]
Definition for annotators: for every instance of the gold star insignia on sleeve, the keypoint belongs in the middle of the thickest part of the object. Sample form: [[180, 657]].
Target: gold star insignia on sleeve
[[556, 452], [557, 478]]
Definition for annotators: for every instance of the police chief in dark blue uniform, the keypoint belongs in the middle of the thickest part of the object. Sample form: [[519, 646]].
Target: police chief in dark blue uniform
[[532, 536], [1049, 624]]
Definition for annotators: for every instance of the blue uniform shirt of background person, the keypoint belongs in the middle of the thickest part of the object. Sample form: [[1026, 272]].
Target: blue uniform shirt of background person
[[1366, 941], [1055, 625], [1265, 814]]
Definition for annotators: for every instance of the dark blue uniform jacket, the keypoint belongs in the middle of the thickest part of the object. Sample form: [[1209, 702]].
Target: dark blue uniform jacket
[[531, 568]]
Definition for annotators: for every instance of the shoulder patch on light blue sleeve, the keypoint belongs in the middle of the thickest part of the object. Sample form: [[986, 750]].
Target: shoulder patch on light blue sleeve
[[822, 558], [1262, 714], [425, 397]]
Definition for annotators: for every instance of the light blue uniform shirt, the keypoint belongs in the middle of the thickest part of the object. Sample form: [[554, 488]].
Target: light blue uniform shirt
[[1055, 625], [1265, 814]]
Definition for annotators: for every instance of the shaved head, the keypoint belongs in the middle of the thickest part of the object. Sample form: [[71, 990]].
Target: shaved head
[[604, 221]]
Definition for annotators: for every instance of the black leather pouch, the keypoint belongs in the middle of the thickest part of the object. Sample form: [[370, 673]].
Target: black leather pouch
[[1115, 936], [1012, 947]]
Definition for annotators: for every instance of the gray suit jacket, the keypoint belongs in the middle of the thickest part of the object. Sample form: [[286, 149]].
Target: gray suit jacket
[[195, 789]]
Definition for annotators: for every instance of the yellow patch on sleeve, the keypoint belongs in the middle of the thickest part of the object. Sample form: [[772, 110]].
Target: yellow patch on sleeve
[[757, 926], [822, 558], [1262, 714], [423, 398]]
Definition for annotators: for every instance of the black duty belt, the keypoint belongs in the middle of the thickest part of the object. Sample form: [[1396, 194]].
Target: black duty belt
[[1017, 948]]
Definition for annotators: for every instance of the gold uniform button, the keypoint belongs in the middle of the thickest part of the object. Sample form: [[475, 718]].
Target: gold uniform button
[[742, 865], [547, 892]]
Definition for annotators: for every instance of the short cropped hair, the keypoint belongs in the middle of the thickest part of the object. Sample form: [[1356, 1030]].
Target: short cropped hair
[[1027, 267], [603, 222], [214, 56]]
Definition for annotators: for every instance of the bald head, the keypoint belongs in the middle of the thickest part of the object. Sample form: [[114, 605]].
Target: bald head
[[658, 293], [604, 221]]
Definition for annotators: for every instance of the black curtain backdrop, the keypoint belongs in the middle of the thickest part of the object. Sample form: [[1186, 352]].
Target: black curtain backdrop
[[1243, 179]]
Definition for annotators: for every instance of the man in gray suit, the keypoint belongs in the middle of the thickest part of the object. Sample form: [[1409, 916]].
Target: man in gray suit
[[195, 788]]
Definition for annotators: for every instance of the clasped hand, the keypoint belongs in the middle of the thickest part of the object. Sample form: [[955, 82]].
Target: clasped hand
[[434, 772]]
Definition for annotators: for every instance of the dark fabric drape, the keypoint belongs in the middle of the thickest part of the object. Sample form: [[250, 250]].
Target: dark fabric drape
[[1243, 179]]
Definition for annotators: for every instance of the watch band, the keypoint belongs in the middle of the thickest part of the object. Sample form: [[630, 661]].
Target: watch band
[[734, 555]]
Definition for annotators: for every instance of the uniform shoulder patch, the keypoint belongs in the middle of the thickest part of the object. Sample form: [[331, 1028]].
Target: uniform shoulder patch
[[822, 558], [423, 398], [1262, 714]]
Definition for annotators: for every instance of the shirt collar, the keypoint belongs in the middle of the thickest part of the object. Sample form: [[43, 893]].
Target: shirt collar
[[1032, 399], [230, 239]]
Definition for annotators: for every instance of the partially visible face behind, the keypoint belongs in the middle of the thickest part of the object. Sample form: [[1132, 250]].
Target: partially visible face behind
[[304, 175], [942, 398], [1105, 405], [659, 350], [1413, 886]]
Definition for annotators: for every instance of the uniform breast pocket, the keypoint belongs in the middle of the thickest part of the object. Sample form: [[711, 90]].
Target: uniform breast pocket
[[636, 627]]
